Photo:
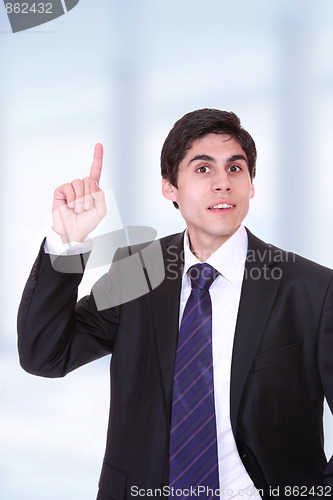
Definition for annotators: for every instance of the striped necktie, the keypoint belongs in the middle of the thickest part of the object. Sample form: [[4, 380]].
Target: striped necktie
[[193, 441]]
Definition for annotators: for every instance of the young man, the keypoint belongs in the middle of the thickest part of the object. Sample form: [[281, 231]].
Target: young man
[[216, 391]]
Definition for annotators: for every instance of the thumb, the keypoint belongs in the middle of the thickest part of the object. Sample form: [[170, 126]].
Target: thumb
[[93, 187]]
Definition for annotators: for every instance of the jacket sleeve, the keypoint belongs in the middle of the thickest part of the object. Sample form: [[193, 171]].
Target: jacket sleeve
[[325, 363], [57, 334]]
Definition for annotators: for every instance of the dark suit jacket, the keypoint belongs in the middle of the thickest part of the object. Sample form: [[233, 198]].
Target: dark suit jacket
[[282, 364]]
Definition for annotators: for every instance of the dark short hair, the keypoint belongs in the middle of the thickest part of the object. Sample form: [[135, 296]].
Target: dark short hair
[[197, 124]]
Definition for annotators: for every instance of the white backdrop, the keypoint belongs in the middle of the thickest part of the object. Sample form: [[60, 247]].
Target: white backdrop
[[121, 73]]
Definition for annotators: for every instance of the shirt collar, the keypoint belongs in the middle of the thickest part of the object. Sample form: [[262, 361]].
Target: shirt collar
[[229, 259]]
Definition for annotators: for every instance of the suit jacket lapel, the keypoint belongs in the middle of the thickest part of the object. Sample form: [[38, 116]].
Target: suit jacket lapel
[[257, 298], [166, 313]]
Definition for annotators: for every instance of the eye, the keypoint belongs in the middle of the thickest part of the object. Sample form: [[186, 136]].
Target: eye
[[203, 169], [234, 168]]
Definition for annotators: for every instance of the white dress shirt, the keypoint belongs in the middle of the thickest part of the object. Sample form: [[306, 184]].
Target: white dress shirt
[[229, 261]]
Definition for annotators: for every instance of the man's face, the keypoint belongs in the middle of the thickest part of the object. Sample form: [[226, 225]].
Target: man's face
[[213, 190]]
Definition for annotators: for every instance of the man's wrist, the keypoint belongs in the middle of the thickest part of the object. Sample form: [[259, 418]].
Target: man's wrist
[[55, 246]]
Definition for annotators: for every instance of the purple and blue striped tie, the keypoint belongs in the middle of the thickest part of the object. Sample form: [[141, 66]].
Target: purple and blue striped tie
[[193, 441]]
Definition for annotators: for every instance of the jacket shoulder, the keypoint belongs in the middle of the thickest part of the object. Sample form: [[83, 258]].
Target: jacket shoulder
[[262, 251]]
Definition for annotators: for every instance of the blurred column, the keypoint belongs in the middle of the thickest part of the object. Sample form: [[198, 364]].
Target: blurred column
[[296, 113], [128, 67]]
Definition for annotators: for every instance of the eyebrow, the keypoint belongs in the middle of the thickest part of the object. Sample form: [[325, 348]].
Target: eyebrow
[[210, 158], [236, 157], [201, 158]]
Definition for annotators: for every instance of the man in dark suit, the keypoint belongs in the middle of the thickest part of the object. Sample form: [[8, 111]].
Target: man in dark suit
[[271, 329]]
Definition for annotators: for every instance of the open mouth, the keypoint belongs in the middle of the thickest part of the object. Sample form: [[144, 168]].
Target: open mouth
[[221, 206]]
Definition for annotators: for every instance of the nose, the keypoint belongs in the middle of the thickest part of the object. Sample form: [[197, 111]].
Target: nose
[[221, 181]]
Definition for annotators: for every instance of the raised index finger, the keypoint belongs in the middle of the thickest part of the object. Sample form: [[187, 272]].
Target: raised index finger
[[96, 167]]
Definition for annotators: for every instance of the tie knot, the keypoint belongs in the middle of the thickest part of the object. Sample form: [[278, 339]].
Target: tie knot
[[202, 275]]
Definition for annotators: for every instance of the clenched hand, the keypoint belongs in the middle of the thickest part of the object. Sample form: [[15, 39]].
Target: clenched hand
[[79, 206]]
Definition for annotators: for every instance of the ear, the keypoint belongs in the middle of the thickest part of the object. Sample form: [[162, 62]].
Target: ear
[[252, 192], [169, 191]]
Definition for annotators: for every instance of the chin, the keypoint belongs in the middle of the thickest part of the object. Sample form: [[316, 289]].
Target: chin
[[225, 232]]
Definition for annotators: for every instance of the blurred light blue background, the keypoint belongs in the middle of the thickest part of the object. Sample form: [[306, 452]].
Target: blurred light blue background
[[122, 73]]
